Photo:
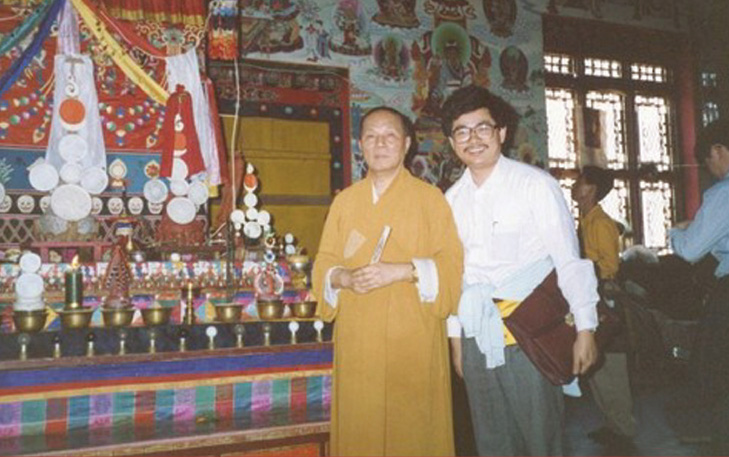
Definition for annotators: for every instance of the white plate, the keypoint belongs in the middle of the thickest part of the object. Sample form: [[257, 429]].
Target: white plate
[[181, 210], [73, 147], [70, 173], [252, 214], [250, 200], [43, 177], [179, 169], [155, 191], [30, 262], [179, 187], [237, 216], [71, 202], [264, 217], [29, 285], [94, 180], [198, 193], [252, 230]]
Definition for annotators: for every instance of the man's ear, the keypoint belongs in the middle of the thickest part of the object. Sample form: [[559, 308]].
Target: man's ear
[[502, 135]]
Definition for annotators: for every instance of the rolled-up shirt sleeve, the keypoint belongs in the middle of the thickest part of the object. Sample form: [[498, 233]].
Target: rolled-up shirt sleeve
[[708, 227], [576, 276], [427, 279], [454, 326], [331, 295]]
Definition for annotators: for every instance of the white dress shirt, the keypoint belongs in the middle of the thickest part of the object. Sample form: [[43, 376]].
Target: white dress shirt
[[516, 218]]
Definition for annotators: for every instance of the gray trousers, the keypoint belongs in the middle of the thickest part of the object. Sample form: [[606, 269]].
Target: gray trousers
[[515, 410]]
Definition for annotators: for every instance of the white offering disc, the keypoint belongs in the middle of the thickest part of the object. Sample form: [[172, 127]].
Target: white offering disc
[[30, 262], [250, 200], [73, 147], [181, 210], [71, 202], [252, 230], [29, 286], [237, 216], [264, 217], [155, 191], [252, 214], [43, 177], [70, 173], [179, 169], [94, 180], [179, 187], [198, 193]]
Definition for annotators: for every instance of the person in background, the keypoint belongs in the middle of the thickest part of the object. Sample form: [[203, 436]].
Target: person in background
[[708, 233], [516, 228], [391, 381], [599, 237]]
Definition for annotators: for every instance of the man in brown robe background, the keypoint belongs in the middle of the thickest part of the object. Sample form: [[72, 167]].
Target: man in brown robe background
[[391, 382]]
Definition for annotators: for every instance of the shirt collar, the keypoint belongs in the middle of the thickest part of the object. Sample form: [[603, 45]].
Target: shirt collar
[[497, 175]]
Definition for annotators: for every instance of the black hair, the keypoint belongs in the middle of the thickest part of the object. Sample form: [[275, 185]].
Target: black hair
[[716, 132], [472, 98], [600, 177]]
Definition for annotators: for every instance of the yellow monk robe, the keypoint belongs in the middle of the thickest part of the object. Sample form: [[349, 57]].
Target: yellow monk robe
[[601, 241], [391, 385]]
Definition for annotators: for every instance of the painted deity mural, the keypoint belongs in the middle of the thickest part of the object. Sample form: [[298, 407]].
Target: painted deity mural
[[412, 55]]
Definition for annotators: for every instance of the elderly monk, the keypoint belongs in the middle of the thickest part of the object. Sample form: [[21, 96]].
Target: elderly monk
[[391, 383]]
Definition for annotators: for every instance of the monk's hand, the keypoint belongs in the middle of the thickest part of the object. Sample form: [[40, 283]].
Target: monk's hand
[[377, 275], [584, 352]]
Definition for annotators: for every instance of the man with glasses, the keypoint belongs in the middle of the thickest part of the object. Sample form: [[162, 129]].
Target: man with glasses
[[515, 227]]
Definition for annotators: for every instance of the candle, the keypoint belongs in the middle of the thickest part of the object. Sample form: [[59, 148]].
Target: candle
[[74, 285]]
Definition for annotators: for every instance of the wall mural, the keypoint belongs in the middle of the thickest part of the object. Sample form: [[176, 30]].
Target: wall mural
[[406, 54], [411, 55]]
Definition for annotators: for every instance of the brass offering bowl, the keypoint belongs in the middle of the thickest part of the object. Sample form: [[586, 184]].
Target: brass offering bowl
[[298, 262], [76, 318], [303, 309], [118, 317], [30, 321], [158, 315], [270, 309], [228, 312]]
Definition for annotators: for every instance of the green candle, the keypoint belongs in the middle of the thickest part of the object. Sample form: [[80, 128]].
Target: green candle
[[74, 286]]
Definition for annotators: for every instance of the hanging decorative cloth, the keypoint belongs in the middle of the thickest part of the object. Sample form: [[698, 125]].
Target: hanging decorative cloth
[[179, 121], [12, 39], [12, 74], [114, 50], [183, 70], [68, 37], [75, 110]]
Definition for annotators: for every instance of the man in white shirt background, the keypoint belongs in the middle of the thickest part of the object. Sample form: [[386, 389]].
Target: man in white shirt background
[[515, 227]]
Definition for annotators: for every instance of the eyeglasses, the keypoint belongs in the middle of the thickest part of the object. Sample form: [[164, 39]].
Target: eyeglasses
[[484, 130]]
